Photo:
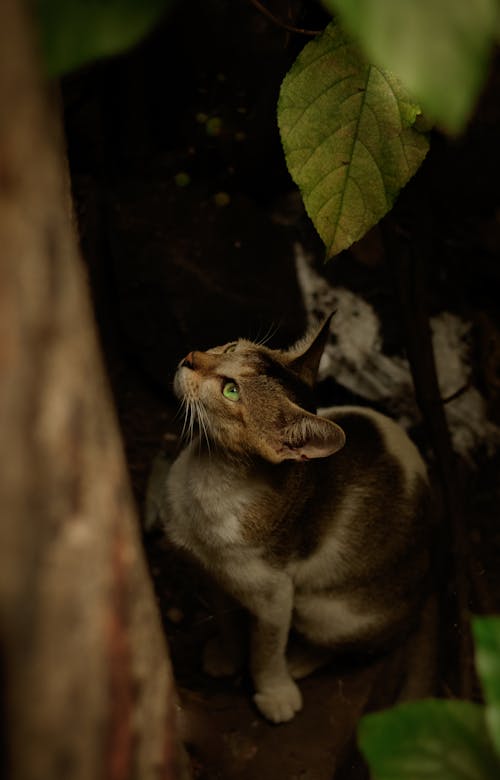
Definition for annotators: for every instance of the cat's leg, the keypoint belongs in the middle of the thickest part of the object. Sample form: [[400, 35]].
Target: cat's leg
[[267, 595], [276, 694], [224, 653]]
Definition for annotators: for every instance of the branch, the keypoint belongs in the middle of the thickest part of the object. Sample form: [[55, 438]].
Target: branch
[[280, 23], [406, 257]]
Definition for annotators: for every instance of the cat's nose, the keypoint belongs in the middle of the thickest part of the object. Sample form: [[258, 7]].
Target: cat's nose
[[188, 361]]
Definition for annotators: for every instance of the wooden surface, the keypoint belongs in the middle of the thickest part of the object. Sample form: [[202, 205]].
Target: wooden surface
[[88, 689]]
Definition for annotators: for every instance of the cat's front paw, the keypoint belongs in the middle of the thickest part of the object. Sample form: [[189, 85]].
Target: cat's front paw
[[218, 660], [279, 703]]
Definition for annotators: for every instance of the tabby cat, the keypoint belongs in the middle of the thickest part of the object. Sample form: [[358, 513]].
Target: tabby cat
[[313, 521]]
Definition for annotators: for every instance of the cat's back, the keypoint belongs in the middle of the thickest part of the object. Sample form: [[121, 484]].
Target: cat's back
[[369, 499], [378, 481], [375, 442], [369, 521]]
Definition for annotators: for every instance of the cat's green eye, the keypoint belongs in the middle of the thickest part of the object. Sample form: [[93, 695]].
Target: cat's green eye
[[231, 392]]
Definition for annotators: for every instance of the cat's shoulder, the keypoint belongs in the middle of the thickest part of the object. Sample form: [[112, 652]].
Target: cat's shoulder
[[377, 436]]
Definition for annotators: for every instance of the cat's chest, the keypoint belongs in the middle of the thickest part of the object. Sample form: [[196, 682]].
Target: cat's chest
[[210, 507]]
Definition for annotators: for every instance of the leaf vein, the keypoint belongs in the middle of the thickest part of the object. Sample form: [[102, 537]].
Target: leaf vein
[[316, 98]]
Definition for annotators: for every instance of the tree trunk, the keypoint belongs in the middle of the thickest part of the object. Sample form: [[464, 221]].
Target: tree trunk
[[87, 685]]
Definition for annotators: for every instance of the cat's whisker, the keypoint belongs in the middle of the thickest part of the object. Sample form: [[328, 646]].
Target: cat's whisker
[[204, 424], [202, 428], [197, 419], [180, 410], [192, 419], [187, 427], [271, 331], [183, 409]]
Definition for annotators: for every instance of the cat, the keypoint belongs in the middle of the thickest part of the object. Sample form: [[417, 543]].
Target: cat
[[314, 522]]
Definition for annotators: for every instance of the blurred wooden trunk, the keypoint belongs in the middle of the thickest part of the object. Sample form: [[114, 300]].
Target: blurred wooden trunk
[[87, 688]]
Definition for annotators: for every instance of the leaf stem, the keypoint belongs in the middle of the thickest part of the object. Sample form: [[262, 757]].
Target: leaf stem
[[280, 22]]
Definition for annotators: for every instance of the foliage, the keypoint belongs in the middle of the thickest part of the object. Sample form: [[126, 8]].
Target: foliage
[[349, 108], [347, 128], [487, 636], [439, 49], [441, 740], [349, 120], [74, 32]]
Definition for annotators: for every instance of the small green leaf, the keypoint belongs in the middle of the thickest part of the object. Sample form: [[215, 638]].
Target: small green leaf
[[487, 637], [73, 32], [182, 179], [429, 740], [439, 49], [346, 128], [214, 126]]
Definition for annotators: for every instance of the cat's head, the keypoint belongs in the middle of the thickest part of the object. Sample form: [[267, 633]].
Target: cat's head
[[251, 400]]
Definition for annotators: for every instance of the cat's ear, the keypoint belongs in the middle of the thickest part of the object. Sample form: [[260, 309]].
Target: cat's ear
[[309, 436], [304, 357]]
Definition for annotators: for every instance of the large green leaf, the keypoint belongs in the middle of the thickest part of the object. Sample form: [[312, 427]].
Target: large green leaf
[[429, 740], [73, 32], [439, 49], [487, 636], [347, 131]]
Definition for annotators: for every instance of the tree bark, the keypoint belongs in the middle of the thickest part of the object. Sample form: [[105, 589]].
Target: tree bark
[[87, 684]]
